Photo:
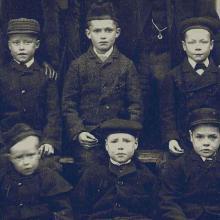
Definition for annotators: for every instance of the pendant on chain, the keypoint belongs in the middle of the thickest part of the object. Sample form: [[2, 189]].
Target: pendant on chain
[[160, 36]]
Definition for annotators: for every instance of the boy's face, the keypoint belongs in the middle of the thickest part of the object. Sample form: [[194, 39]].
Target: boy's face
[[103, 34], [25, 156], [205, 139], [197, 44], [121, 146], [23, 46]]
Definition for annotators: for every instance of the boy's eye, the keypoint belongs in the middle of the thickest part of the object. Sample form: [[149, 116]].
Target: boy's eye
[[114, 141], [212, 137], [199, 136], [108, 30], [204, 41], [96, 30], [126, 140]]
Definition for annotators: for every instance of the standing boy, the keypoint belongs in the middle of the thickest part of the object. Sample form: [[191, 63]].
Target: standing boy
[[190, 185], [27, 95], [122, 188], [100, 85], [29, 190], [193, 84]]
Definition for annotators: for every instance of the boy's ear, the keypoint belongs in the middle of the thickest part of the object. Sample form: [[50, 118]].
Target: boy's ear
[[184, 45], [106, 145], [212, 44], [88, 33], [136, 144], [37, 44], [190, 134], [118, 32]]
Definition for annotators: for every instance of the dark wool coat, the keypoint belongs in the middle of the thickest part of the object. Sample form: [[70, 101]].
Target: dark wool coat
[[40, 196], [95, 91], [28, 96], [182, 91], [109, 191], [190, 188]]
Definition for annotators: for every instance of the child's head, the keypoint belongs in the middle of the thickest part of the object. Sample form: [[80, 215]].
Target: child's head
[[197, 37], [102, 27], [23, 39], [205, 131], [121, 139], [22, 146]]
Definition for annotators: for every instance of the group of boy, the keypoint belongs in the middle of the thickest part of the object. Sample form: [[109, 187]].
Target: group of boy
[[102, 105]]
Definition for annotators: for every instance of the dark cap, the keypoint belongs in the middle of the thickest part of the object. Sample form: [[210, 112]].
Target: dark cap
[[208, 23], [17, 133], [101, 11], [120, 126], [204, 116], [23, 26]]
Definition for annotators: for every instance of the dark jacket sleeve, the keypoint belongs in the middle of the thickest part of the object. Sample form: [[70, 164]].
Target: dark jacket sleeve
[[56, 191], [167, 109], [86, 193], [70, 102], [171, 192], [134, 95], [52, 130]]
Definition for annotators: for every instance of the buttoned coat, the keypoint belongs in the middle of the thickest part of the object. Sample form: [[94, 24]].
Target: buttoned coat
[[182, 91], [95, 91], [28, 96], [40, 196], [190, 188], [109, 191]]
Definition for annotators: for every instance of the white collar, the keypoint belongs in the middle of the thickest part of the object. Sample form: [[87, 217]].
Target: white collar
[[103, 57], [28, 64], [119, 164], [193, 63]]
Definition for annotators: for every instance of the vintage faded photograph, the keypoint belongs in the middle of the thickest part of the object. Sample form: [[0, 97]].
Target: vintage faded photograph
[[109, 109]]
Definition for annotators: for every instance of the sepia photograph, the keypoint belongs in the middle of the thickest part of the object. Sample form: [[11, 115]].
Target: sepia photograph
[[109, 110]]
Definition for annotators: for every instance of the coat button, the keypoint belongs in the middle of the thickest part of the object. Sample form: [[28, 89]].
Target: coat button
[[120, 183], [19, 184], [117, 205], [107, 107], [23, 91], [24, 110], [20, 205]]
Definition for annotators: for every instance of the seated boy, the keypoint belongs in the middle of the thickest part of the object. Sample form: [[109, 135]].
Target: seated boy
[[100, 85], [193, 84], [27, 189], [122, 188], [27, 95], [190, 184]]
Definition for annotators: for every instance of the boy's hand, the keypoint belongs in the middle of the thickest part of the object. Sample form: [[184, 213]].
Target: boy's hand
[[87, 140], [49, 71], [175, 148], [46, 150]]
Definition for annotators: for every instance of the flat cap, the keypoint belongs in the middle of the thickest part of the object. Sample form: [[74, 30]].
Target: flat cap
[[208, 23], [120, 126], [23, 26], [204, 116], [101, 11], [17, 133]]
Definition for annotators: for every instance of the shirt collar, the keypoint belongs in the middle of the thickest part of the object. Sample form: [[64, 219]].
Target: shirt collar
[[119, 164], [28, 64], [193, 63], [105, 56]]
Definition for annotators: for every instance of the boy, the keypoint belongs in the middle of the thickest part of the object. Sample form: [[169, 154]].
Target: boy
[[193, 84], [27, 94], [100, 85], [29, 190], [122, 189], [190, 185]]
